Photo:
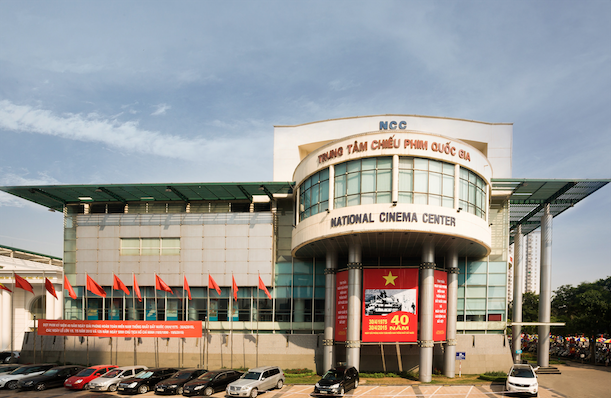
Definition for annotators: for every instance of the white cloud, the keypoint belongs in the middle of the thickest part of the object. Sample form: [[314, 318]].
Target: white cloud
[[161, 109], [126, 136]]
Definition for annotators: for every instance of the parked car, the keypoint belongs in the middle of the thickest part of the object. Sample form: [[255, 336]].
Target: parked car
[[174, 385], [522, 379], [110, 381], [8, 357], [11, 380], [211, 382], [81, 380], [53, 377], [145, 380], [5, 369], [257, 379], [337, 381]]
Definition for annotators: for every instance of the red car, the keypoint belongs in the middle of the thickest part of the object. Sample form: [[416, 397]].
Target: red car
[[82, 378]]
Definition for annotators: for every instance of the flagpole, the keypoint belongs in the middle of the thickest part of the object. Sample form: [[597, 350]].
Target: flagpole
[[112, 294], [135, 312], [44, 294], [13, 317], [207, 319], [156, 318], [258, 315], [231, 319]]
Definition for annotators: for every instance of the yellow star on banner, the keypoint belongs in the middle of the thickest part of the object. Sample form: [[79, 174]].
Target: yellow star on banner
[[390, 279]]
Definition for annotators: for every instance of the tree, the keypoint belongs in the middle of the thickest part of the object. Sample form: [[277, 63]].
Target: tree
[[530, 311]]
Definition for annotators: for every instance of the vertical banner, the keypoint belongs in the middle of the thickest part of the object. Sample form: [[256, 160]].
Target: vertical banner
[[390, 305], [441, 306], [341, 305]]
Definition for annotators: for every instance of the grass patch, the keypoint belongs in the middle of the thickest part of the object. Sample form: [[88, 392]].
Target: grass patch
[[493, 376]]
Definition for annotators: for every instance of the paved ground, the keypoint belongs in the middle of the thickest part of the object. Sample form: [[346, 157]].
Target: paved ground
[[576, 381]]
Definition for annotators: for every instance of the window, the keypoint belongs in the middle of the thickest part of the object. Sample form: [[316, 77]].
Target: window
[[426, 181], [472, 196], [314, 194], [150, 246], [363, 181]]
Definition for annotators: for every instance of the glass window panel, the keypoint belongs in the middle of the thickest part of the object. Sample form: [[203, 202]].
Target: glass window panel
[[405, 181], [497, 291], [340, 169], [368, 198], [405, 197], [448, 186], [368, 164], [496, 304], [353, 166], [307, 184], [340, 186], [460, 304], [448, 202], [284, 268], [150, 247], [282, 292], [324, 206], [353, 200], [385, 163], [464, 190], [472, 178], [421, 181], [340, 202], [464, 174], [384, 197], [476, 291], [368, 181], [384, 182], [435, 183], [477, 267], [354, 183], [130, 243], [435, 165], [314, 192], [476, 304], [302, 280], [434, 200], [421, 164], [476, 279], [497, 266], [406, 163], [302, 267], [324, 190], [302, 292], [448, 169], [283, 280], [497, 279], [461, 292], [324, 174], [420, 199]]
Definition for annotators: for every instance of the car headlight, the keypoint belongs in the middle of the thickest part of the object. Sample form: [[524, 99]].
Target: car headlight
[[132, 385], [78, 381], [245, 388], [317, 385], [173, 386], [198, 387], [335, 386]]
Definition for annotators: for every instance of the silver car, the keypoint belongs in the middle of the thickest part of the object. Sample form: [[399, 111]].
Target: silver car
[[110, 380], [257, 379]]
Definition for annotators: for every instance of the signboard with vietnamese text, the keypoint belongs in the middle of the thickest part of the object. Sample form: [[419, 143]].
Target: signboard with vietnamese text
[[390, 305], [179, 329], [341, 306], [440, 306]]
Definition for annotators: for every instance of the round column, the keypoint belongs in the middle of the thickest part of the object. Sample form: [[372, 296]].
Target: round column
[[545, 296], [450, 347], [355, 287], [518, 279], [427, 298], [329, 334]]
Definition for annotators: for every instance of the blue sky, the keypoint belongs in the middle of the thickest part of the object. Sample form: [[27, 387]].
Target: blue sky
[[146, 91]]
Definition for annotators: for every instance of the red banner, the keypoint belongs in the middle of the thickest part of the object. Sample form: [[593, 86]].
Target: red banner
[[341, 305], [441, 306], [390, 305], [58, 327]]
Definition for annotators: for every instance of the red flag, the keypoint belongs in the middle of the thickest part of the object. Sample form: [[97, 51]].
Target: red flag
[[50, 287], [2, 287], [161, 285], [137, 289], [235, 289], [186, 287], [68, 287], [23, 284], [118, 284], [212, 285], [94, 288], [262, 287]]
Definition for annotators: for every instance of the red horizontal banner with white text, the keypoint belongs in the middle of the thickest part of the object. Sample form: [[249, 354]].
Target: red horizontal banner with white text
[[58, 327]]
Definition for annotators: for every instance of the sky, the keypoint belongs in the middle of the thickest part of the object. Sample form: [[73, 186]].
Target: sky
[[149, 91]]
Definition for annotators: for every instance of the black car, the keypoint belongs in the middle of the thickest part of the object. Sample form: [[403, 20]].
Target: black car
[[53, 377], [211, 382], [174, 385], [7, 356], [11, 380], [337, 381], [145, 380]]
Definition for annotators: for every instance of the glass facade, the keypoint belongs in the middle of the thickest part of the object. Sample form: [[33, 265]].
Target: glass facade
[[426, 182], [363, 181], [314, 194], [472, 197]]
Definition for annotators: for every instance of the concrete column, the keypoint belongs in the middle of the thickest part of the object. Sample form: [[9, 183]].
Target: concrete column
[[545, 295], [299, 310], [449, 359], [329, 335], [518, 278], [426, 310], [6, 320], [355, 288]]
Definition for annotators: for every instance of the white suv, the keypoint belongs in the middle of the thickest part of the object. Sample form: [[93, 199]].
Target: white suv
[[522, 379], [257, 379]]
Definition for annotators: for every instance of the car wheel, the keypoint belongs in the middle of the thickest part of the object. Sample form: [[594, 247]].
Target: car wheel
[[180, 390], [356, 383], [253, 393], [12, 385], [40, 387], [208, 391], [112, 388], [279, 384], [143, 389], [341, 391]]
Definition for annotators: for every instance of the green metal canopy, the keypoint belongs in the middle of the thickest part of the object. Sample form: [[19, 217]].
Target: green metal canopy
[[527, 198], [57, 196]]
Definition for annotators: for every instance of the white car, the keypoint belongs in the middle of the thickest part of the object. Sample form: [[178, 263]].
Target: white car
[[522, 379], [255, 381], [110, 380], [11, 380]]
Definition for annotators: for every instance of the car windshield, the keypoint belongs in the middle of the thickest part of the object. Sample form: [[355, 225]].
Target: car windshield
[[182, 375], [207, 376], [144, 375], [333, 375], [51, 372], [522, 372], [21, 370], [86, 372], [252, 375], [111, 374]]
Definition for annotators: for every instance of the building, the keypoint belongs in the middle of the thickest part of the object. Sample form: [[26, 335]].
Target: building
[[530, 257], [407, 216]]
